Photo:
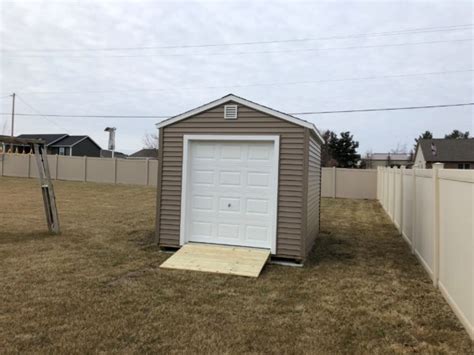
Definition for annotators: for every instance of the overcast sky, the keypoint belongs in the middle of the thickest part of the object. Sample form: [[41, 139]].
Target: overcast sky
[[43, 60]]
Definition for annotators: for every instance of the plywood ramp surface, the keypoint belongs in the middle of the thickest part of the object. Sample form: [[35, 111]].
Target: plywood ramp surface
[[219, 259]]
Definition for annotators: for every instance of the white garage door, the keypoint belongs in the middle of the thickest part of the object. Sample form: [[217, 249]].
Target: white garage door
[[232, 193]]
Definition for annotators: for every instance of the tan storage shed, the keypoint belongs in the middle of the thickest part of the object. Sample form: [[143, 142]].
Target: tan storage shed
[[238, 173]]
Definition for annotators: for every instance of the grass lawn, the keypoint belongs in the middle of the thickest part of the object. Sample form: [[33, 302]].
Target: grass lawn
[[98, 286]]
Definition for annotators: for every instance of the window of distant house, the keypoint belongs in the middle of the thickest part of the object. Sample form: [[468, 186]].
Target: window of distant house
[[62, 151], [464, 166]]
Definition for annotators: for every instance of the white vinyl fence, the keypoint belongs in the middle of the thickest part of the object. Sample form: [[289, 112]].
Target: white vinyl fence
[[349, 183], [434, 212], [108, 170]]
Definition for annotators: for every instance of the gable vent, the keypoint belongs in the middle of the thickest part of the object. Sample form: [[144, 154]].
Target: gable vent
[[230, 112]]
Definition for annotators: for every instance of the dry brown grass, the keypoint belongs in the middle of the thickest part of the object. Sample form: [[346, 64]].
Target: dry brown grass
[[97, 287]]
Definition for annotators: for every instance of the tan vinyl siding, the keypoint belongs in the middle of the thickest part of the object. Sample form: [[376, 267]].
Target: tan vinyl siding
[[314, 192], [291, 175]]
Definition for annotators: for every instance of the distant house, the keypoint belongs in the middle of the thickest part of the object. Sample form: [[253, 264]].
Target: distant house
[[105, 153], [374, 160], [64, 144], [454, 153], [145, 154]]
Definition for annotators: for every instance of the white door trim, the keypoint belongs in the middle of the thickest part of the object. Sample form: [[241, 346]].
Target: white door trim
[[187, 138]]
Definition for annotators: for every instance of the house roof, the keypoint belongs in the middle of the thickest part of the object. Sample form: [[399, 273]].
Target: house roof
[[447, 150], [385, 156], [47, 138], [69, 141], [245, 102], [105, 153], [145, 153]]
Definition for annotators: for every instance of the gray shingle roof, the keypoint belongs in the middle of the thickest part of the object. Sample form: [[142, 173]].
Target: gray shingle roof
[[69, 141], [145, 153], [448, 150], [48, 138]]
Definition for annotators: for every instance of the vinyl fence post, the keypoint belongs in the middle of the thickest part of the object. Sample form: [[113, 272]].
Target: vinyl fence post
[[333, 182], [379, 184], [57, 165], [147, 169], [394, 185], [85, 168], [115, 170], [28, 170], [436, 168], [402, 171], [413, 212], [383, 186]]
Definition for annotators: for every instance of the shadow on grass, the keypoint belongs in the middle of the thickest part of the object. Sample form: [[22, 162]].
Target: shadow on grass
[[8, 238], [328, 248], [143, 239]]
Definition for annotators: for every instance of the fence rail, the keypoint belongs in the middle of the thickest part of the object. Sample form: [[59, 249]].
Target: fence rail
[[340, 183], [106, 170], [434, 212]]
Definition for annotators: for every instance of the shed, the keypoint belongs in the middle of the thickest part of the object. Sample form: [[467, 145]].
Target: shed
[[235, 172]]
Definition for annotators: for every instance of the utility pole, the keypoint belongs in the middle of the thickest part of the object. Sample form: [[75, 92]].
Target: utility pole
[[13, 114]]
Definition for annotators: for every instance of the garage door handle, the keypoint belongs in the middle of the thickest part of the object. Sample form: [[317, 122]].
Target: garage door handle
[[229, 205]]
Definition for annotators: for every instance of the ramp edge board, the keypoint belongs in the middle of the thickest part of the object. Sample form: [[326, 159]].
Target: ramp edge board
[[221, 259]]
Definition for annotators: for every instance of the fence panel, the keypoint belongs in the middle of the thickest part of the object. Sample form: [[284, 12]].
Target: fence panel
[[71, 168], [52, 160], [356, 183], [456, 277], [407, 202], [397, 199], [437, 220], [153, 172], [349, 183], [16, 165], [100, 170], [131, 172], [424, 219]]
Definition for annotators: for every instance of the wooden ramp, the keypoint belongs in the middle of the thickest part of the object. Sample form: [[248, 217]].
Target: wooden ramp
[[220, 259]]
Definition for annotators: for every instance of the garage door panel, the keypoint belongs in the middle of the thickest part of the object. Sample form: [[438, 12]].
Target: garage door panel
[[230, 178], [204, 177], [229, 204], [258, 179], [202, 229], [203, 202], [257, 233], [231, 152], [257, 206], [232, 187]]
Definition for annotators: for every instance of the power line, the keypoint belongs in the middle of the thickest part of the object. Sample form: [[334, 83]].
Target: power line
[[384, 109], [246, 53], [294, 113], [374, 77], [337, 37], [39, 114]]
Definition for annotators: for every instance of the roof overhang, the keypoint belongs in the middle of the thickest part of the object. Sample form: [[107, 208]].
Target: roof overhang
[[245, 102]]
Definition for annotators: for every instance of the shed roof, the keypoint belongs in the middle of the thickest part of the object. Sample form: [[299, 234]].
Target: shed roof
[[447, 150], [245, 102]]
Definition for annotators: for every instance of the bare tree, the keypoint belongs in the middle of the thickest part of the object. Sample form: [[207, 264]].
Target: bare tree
[[4, 127], [150, 140], [400, 149]]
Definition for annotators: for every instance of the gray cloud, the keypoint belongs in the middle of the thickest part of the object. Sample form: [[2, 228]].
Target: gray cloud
[[56, 25]]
